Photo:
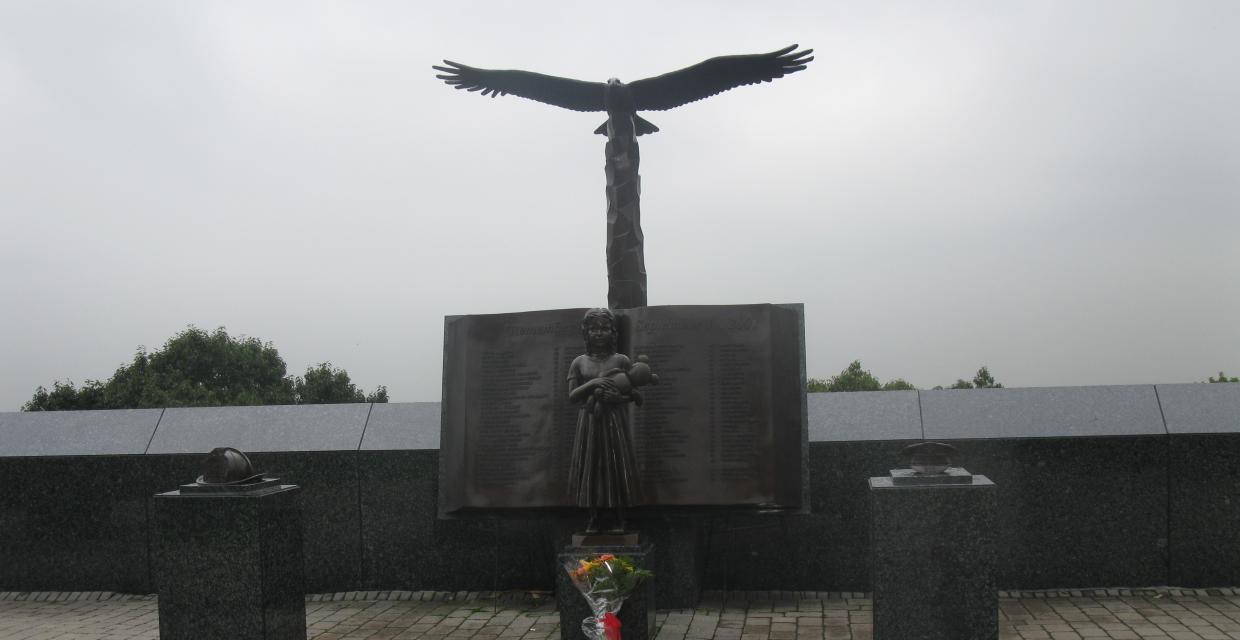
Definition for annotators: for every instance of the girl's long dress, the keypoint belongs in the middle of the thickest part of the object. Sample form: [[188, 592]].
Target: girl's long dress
[[603, 469]]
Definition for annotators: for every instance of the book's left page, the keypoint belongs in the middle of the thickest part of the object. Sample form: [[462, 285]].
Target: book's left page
[[507, 425]]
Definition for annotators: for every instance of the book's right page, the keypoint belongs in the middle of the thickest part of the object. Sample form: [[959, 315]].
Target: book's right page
[[724, 426]]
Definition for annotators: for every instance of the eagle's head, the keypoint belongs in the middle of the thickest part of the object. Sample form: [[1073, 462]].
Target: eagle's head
[[616, 98]]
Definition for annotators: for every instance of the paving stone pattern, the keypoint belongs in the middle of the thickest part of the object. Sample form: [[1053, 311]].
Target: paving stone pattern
[[1170, 614]]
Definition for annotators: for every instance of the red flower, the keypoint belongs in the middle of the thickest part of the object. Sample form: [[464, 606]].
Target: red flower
[[611, 626]]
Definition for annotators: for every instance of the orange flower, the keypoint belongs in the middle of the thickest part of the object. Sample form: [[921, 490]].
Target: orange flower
[[606, 557]]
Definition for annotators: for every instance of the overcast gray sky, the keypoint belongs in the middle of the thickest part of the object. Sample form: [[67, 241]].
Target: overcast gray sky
[[1047, 188]]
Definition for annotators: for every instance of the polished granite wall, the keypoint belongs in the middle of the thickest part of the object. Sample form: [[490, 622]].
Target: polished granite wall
[[73, 508], [405, 545], [852, 436], [1081, 475], [1097, 486], [1203, 421]]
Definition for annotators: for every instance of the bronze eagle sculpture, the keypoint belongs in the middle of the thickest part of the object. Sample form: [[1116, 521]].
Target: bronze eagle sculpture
[[622, 101]]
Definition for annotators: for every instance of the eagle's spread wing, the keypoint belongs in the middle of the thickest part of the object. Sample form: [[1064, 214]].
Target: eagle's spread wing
[[561, 92], [716, 75]]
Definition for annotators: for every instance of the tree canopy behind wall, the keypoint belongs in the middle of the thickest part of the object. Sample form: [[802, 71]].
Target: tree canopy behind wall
[[981, 380], [200, 369], [854, 378]]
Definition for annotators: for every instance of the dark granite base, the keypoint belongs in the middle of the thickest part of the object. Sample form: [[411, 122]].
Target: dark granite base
[[398, 507], [328, 480], [1205, 510], [1077, 512], [679, 548], [749, 552], [74, 523], [406, 546], [230, 567], [827, 549], [637, 613], [492, 554], [933, 561]]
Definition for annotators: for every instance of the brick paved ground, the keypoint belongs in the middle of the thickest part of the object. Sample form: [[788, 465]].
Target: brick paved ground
[[1171, 614]]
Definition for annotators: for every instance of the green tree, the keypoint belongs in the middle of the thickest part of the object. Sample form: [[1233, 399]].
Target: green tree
[[66, 397], [325, 384], [196, 369], [1222, 377], [854, 378], [898, 384], [983, 380]]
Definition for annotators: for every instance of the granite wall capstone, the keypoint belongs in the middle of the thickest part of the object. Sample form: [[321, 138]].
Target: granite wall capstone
[[1097, 487]]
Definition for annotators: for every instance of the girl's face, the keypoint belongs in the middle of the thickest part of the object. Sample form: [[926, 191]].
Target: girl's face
[[598, 333]]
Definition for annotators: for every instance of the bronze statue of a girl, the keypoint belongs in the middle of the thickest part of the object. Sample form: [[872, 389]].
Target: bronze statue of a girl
[[603, 470]]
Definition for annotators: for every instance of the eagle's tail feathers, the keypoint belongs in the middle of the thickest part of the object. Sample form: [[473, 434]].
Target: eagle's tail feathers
[[641, 126]]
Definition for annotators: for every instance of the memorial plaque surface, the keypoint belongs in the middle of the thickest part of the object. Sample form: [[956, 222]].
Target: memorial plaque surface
[[723, 427]]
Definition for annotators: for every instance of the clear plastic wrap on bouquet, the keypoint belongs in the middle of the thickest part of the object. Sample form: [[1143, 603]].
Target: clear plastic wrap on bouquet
[[605, 580]]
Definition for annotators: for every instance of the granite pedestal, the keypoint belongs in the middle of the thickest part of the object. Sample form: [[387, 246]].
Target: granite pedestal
[[637, 613], [229, 565], [933, 557]]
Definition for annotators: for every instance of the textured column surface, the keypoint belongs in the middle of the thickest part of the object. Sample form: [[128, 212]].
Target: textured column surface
[[626, 262], [230, 566], [932, 562]]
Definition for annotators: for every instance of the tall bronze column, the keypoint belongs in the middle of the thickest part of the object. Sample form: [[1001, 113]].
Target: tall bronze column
[[626, 261]]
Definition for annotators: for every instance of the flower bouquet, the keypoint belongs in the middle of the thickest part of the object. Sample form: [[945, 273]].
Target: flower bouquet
[[605, 580]]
